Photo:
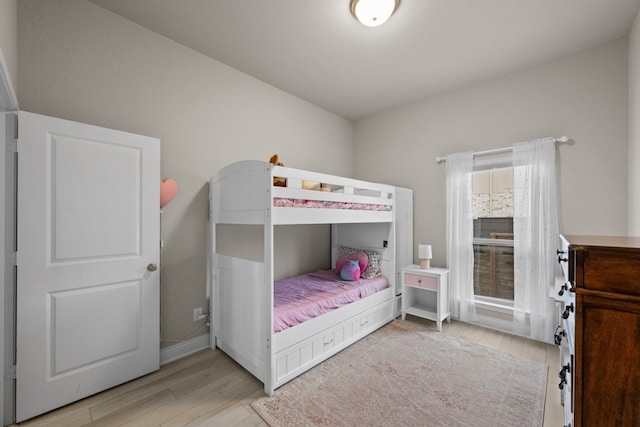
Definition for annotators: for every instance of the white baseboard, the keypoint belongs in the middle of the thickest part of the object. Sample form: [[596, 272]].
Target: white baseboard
[[185, 348]]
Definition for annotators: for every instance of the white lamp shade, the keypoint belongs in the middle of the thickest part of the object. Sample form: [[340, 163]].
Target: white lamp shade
[[425, 252], [373, 12]]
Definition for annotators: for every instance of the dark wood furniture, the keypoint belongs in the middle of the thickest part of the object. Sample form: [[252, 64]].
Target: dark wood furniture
[[604, 273]]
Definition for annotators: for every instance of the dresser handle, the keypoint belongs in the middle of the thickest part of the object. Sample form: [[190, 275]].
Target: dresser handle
[[560, 252], [560, 259], [567, 311], [563, 375], [566, 369], [563, 288], [557, 337], [563, 381]]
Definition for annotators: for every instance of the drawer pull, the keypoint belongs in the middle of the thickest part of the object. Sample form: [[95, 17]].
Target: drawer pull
[[563, 288], [563, 381], [557, 337], [566, 369], [567, 311], [328, 342], [364, 323], [560, 259], [560, 252]]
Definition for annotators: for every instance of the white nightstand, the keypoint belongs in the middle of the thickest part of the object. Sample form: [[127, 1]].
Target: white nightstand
[[425, 293]]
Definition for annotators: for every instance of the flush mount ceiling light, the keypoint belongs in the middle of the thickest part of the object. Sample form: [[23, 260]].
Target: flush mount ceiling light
[[373, 12]]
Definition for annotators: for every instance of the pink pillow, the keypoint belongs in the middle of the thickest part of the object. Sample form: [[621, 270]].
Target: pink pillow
[[350, 270], [360, 257]]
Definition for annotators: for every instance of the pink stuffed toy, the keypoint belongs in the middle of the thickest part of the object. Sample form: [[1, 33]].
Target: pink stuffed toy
[[350, 270], [361, 258]]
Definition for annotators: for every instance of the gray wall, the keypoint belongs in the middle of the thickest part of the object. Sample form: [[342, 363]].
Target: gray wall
[[634, 128], [584, 96], [83, 63]]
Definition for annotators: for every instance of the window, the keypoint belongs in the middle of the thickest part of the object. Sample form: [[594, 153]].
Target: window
[[529, 230], [493, 233]]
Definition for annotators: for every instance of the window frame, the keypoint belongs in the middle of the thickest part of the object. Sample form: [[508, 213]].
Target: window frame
[[502, 307]]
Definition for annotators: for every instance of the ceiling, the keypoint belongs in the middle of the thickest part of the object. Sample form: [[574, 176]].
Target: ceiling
[[317, 51]]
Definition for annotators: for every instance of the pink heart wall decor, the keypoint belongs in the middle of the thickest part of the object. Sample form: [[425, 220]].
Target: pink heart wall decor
[[168, 190]]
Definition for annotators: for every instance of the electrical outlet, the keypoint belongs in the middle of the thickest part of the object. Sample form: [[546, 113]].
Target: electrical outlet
[[197, 314]]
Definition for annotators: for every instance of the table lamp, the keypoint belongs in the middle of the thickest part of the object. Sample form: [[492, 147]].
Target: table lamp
[[425, 254]]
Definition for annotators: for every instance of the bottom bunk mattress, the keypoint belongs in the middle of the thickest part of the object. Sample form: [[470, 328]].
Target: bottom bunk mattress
[[300, 298]]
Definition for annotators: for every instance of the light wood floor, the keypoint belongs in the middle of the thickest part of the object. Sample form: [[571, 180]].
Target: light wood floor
[[209, 389]]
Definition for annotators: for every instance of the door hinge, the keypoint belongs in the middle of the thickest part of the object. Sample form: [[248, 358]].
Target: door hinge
[[10, 373]]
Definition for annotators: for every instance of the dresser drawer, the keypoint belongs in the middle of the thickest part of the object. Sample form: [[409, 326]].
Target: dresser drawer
[[421, 281], [608, 270]]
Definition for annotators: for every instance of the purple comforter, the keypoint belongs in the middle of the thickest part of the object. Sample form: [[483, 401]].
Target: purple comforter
[[304, 297]]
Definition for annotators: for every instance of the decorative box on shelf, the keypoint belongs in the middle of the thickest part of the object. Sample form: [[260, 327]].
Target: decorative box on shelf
[[425, 293]]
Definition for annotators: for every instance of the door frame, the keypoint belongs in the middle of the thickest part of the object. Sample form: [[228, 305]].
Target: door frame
[[8, 104]]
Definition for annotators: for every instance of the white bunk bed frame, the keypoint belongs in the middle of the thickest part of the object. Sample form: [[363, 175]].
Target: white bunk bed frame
[[241, 298]]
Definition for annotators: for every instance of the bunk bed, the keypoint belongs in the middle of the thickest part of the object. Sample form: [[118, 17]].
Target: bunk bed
[[243, 325]]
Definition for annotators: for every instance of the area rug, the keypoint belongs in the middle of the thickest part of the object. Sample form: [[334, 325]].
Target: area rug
[[406, 375]]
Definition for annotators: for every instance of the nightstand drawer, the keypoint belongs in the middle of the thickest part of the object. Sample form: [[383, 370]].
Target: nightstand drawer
[[421, 281]]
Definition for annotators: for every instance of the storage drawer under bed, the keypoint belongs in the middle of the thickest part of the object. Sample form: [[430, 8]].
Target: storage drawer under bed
[[298, 358]]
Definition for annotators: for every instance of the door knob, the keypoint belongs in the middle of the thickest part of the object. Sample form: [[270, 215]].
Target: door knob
[[152, 267]]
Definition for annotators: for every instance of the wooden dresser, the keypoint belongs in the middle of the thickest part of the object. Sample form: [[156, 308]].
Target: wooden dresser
[[603, 371]]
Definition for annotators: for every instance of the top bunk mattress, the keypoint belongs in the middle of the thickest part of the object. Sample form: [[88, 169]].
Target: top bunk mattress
[[280, 202], [300, 298]]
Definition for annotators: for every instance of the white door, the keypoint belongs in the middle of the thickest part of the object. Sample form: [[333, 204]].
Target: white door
[[88, 297]]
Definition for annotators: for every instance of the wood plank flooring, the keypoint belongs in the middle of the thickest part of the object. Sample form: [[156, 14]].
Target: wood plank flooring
[[209, 389]]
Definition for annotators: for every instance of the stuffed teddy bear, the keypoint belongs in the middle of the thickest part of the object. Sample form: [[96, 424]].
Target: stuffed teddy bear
[[275, 161], [278, 181]]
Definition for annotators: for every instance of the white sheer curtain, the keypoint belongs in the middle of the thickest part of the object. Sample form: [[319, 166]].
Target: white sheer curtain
[[535, 228], [460, 234]]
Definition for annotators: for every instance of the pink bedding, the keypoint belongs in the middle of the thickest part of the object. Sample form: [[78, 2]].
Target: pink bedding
[[304, 297], [301, 203]]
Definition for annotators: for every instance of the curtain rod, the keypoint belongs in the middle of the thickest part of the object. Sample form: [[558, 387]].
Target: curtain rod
[[563, 138]]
